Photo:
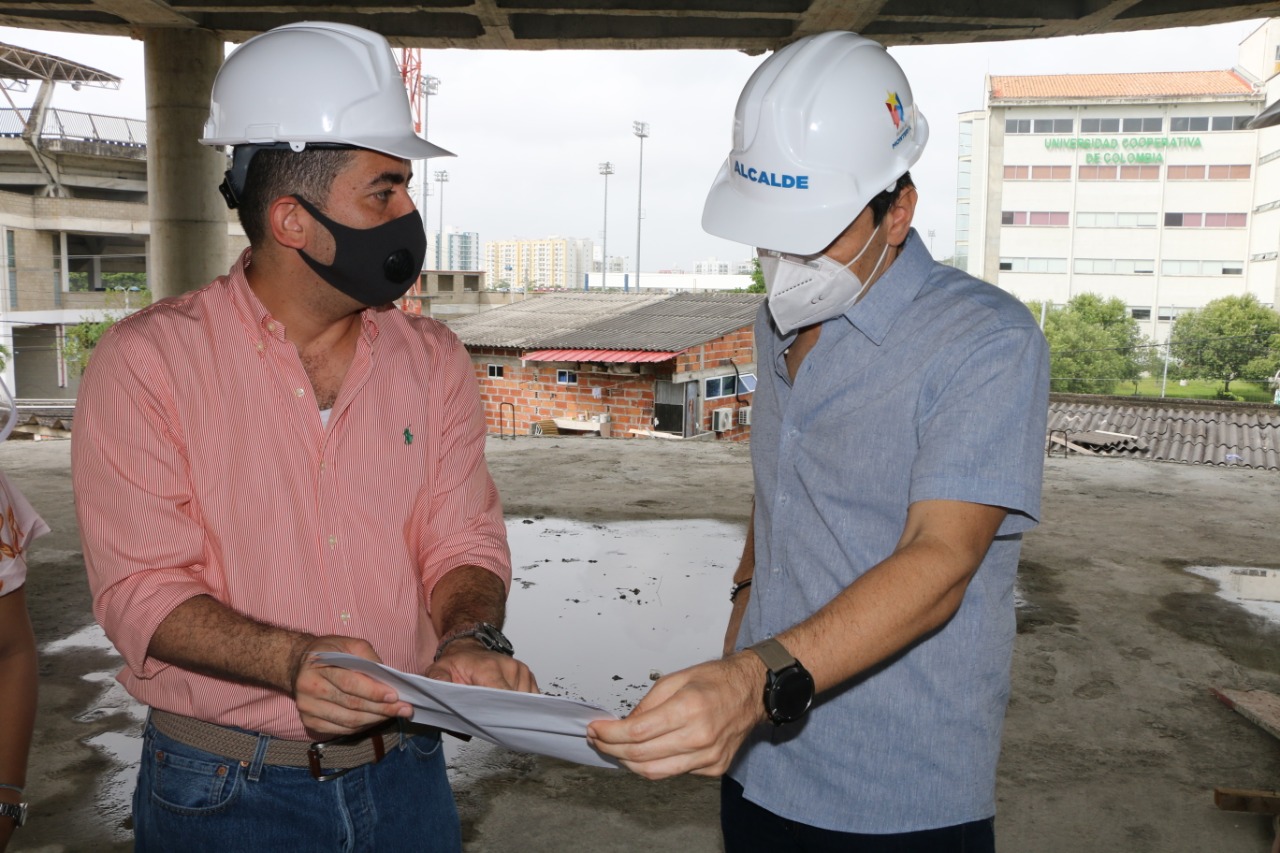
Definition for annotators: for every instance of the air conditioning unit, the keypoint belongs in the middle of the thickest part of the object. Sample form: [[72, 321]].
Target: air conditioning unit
[[721, 420], [744, 416]]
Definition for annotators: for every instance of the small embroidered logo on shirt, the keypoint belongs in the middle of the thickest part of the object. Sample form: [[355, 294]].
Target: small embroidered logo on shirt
[[408, 436]]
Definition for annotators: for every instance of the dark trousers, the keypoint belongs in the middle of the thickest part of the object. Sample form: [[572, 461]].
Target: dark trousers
[[748, 828]]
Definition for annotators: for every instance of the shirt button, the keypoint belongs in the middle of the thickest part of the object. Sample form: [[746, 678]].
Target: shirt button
[[782, 499], [322, 464], [777, 569], [271, 327], [261, 346], [298, 392], [333, 541]]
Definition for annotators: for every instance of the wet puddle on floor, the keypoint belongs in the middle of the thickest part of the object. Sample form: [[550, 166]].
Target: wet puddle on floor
[[1256, 590], [595, 610]]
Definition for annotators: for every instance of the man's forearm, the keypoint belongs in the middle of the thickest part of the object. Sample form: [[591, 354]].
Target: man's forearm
[[467, 595], [906, 596], [205, 636], [743, 575]]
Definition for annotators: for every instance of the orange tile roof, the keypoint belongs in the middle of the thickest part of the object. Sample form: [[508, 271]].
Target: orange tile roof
[[1152, 85]]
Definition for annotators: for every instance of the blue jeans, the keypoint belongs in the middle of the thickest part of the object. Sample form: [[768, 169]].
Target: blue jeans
[[748, 828], [188, 800]]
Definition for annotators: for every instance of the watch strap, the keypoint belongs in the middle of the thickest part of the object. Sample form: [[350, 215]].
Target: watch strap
[[485, 634], [16, 811], [774, 654]]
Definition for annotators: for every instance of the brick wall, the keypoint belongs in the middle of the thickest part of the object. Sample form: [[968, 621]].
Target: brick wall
[[533, 391], [627, 398], [716, 358]]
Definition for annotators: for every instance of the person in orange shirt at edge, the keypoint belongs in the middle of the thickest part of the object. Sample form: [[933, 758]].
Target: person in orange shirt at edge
[[282, 463], [19, 526]]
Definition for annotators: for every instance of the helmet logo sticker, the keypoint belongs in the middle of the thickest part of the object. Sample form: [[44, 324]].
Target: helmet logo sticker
[[894, 103], [899, 116], [773, 179]]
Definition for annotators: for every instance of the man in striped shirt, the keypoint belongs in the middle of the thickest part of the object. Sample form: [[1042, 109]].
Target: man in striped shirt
[[281, 463]]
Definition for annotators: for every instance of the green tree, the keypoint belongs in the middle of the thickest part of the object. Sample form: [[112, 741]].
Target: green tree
[[757, 278], [1235, 337], [79, 340], [1094, 344]]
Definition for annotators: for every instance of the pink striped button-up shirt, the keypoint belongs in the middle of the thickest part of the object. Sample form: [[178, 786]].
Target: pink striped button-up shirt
[[201, 467]]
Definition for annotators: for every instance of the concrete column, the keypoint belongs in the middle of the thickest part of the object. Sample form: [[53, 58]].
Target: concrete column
[[188, 215]]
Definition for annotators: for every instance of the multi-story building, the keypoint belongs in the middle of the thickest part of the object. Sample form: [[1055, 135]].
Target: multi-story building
[[461, 250], [1147, 187], [547, 263], [714, 266]]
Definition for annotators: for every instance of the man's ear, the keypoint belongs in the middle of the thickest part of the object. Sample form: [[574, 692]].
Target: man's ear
[[901, 213], [289, 223]]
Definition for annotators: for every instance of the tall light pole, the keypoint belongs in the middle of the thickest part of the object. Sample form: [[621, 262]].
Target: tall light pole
[[442, 178], [606, 169], [641, 130], [430, 86]]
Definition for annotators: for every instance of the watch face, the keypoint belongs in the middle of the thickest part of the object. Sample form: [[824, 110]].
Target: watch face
[[494, 639], [789, 695]]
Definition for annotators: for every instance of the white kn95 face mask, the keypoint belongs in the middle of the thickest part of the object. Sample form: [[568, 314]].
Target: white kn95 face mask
[[804, 290]]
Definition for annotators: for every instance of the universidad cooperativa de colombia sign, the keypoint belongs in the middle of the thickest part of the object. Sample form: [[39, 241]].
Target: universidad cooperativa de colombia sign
[[1137, 149]]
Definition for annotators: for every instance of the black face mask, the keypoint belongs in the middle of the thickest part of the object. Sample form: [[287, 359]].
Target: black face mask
[[373, 266]]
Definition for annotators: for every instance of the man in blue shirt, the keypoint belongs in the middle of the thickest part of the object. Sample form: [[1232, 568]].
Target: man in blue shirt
[[897, 444]]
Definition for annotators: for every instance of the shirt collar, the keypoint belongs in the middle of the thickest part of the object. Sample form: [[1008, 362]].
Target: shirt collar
[[889, 295], [258, 319]]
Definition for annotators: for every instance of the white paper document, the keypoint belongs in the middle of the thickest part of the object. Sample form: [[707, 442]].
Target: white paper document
[[524, 722]]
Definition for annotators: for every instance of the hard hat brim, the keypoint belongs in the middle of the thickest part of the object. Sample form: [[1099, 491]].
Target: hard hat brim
[[411, 147], [763, 224]]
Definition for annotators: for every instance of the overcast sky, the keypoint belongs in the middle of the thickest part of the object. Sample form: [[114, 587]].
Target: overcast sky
[[530, 128]]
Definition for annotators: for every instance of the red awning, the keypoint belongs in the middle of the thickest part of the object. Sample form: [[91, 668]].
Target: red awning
[[608, 356]]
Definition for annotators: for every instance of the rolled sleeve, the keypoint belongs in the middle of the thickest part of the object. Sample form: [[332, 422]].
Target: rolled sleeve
[[460, 522], [143, 545]]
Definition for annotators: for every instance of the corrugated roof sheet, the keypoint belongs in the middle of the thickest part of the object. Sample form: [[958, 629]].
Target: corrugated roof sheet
[[1176, 430], [608, 356], [610, 321], [1146, 85]]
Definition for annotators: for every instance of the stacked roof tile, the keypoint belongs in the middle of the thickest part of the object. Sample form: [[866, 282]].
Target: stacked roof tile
[[1243, 435]]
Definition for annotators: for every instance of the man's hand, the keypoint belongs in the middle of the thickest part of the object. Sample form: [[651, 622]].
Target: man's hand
[[692, 721], [467, 661], [333, 701]]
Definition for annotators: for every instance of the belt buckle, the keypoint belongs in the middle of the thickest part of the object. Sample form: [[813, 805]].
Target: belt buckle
[[315, 755]]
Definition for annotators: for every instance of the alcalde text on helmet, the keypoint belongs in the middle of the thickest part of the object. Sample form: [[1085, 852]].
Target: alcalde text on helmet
[[773, 179]]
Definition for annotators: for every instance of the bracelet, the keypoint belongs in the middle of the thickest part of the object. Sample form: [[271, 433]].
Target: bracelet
[[17, 788], [737, 588]]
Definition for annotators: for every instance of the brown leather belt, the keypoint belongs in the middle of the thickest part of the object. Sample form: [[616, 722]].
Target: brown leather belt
[[341, 754]]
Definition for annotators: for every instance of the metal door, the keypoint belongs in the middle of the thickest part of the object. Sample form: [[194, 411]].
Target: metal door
[[668, 407]]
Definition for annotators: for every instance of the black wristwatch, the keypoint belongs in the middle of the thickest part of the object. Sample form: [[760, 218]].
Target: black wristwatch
[[487, 635], [788, 690], [17, 811]]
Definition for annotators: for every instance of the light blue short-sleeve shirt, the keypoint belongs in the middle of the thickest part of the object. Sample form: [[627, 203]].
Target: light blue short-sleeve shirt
[[933, 387]]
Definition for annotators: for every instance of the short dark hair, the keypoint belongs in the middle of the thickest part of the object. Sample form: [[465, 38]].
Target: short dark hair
[[881, 203], [279, 172]]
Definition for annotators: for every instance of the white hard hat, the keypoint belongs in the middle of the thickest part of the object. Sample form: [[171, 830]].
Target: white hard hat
[[343, 88], [822, 127]]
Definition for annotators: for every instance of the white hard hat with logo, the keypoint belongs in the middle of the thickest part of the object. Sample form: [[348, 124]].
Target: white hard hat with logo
[[344, 90], [822, 127]]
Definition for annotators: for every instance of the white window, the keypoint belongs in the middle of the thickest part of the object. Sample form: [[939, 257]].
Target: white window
[[729, 386], [566, 377], [495, 371]]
